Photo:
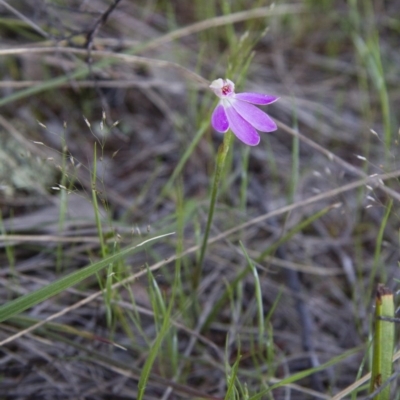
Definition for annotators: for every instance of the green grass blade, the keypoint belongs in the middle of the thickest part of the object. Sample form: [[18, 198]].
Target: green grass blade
[[154, 352], [63, 201], [50, 84], [303, 374], [96, 205], [29, 300], [224, 297], [258, 296], [183, 159], [231, 380], [377, 253]]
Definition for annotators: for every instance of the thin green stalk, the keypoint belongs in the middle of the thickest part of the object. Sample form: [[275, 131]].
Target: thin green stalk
[[9, 248], [383, 343], [224, 297], [378, 248], [231, 380], [95, 203], [370, 53], [219, 168], [258, 297], [180, 223], [182, 161], [63, 203], [104, 250], [160, 311], [378, 75]]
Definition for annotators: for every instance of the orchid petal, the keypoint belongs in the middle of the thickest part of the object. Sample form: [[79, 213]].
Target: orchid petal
[[254, 116], [219, 121], [241, 128], [256, 98]]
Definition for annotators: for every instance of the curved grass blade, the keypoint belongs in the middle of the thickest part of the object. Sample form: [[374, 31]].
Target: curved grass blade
[[29, 300]]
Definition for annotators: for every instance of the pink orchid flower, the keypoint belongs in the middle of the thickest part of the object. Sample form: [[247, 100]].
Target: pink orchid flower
[[236, 112]]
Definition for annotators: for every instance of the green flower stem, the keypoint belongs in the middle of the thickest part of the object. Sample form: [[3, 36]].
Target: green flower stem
[[383, 342], [96, 205], [219, 168]]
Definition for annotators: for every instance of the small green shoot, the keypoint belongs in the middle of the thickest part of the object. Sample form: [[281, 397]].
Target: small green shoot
[[383, 342]]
